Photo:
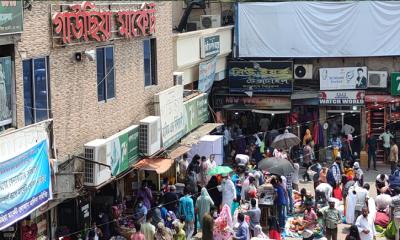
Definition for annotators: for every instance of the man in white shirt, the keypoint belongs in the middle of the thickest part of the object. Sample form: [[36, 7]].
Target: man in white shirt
[[386, 143], [295, 176], [325, 188], [365, 225], [362, 198]]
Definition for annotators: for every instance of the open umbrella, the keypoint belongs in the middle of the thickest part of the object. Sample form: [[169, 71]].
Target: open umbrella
[[276, 165], [220, 170], [285, 141]]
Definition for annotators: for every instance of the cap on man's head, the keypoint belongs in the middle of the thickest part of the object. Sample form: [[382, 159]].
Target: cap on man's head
[[356, 165], [331, 200]]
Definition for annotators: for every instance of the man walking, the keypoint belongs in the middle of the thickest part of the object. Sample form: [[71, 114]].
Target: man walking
[[372, 145], [394, 155], [386, 136], [331, 220], [186, 210], [365, 225], [255, 214]]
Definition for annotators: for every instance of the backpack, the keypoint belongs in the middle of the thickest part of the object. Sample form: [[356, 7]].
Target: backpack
[[394, 179], [330, 178]]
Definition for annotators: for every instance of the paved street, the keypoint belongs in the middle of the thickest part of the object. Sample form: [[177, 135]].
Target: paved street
[[369, 177]]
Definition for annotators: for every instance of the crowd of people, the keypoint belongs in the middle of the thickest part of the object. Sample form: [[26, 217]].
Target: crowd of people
[[229, 205]]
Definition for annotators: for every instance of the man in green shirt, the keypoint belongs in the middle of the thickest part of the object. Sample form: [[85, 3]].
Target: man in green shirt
[[331, 220]]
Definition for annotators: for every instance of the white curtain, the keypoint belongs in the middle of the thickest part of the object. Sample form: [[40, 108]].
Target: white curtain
[[319, 29]]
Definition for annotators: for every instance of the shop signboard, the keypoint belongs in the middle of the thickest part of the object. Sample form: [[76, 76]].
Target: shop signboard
[[346, 78], [261, 76], [209, 46], [5, 91], [123, 149], [333, 98], [169, 106], [395, 83], [244, 102], [196, 112], [207, 74], [89, 22], [11, 17], [25, 184]]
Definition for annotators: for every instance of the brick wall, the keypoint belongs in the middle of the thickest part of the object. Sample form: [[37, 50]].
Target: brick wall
[[78, 116]]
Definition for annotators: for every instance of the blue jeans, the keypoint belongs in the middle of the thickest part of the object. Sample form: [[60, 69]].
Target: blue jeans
[[281, 216], [291, 202]]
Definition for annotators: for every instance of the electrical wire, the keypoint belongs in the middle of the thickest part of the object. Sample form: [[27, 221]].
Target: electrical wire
[[191, 195]]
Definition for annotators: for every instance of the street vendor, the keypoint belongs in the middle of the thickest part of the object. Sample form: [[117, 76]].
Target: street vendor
[[310, 221]]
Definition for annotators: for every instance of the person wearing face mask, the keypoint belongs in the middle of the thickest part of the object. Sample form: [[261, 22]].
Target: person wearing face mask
[[104, 222], [140, 212], [228, 191]]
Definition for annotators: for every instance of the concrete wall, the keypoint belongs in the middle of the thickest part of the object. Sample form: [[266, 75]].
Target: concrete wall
[[78, 116]]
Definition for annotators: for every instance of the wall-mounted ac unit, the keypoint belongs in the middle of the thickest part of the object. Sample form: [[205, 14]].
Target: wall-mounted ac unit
[[303, 71], [150, 135], [178, 78], [210, 21], [192, 26], [96, 174], [377, 79]]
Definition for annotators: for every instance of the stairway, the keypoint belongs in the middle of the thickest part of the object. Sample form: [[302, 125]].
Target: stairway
[[377, 127]]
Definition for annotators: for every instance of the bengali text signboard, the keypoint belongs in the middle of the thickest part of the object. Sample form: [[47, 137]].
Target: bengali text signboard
[[196, 112], [25, 184], [260, 77], [11, 17], [88, 22]]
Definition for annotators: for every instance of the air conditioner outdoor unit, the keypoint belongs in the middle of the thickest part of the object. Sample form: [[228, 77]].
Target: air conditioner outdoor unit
[[96, 174], [377, 79], [210, 21], [178, 78], [150, 135], [192, 26], [303, 71]]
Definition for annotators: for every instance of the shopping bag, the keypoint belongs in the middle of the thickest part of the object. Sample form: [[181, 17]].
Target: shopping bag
[[390, 231]]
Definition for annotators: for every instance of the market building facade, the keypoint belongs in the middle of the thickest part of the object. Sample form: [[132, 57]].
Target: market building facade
[[97, 90]]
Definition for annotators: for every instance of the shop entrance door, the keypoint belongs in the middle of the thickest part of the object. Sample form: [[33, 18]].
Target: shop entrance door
[[341, 122]]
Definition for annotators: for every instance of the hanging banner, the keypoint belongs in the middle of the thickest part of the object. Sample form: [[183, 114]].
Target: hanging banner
[[343, 78], [196, 112], [245, 102], [260, 77], [123, 149], [169, 106], [207, 74], [350, 98], [25, 184], [5, 91], [11, 17]]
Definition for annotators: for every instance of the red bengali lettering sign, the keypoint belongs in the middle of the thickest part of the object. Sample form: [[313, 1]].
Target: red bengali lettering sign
[[82, 22]]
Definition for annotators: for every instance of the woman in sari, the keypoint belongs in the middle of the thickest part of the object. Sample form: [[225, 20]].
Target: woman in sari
[[203, 204], [163, 233]]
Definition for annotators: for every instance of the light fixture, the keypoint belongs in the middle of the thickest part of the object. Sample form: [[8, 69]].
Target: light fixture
[[236, 113], [355, 108], [273, 114], [342, 113]]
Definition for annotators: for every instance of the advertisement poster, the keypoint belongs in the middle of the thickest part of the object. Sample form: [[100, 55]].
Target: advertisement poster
[[196, 112], [5, 91], [343, 78], [260, 77], [395, 83], [169, 106], [25, 184], [207, 74], [209, 46], [11, 16], [351, 98], [123, 150]]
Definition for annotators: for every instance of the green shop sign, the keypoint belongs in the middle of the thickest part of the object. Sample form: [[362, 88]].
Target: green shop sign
[[196, 112], [395, 83], [11, 17], [123, 149]]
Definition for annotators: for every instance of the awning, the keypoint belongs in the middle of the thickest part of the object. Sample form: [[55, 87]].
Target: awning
[[304, 95], [178, 151], [159, 165], [271, 111], [194, 137], [385, 99]]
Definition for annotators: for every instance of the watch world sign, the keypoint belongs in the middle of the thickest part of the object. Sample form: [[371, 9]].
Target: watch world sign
[[87, 22]]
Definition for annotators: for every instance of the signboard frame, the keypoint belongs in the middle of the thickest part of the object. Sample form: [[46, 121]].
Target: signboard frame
[[345, 78], [346, 98]]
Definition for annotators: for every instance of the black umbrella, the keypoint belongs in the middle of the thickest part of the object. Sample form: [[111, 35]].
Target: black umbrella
[[274, 165]]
